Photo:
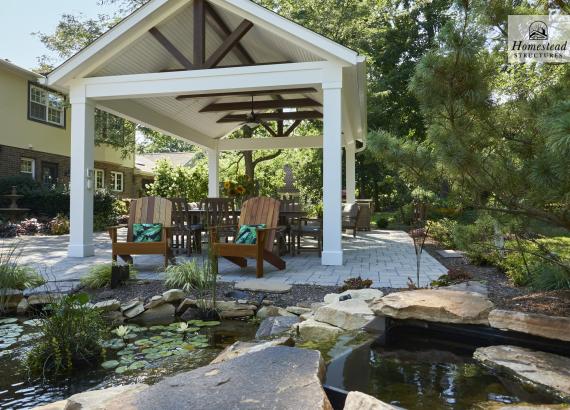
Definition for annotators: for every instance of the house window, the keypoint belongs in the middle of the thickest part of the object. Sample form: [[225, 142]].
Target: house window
[[117, 181], [46, 106], [99, 179], [28, 166]]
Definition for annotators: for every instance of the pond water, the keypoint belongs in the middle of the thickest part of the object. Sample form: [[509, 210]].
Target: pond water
[[415, 371], [149, 356]]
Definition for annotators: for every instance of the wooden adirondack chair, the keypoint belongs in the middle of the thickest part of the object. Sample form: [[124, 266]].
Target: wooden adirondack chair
[[152, 210], [254, 211]]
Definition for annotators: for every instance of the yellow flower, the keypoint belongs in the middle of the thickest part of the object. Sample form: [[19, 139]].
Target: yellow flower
[[227, 184], [240, 190]]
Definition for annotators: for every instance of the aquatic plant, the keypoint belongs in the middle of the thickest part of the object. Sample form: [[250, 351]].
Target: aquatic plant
[[71, 336], [100, 275], [14, 275]]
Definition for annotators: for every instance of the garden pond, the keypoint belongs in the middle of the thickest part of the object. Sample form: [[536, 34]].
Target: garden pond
[[143, 355], [412, 371]]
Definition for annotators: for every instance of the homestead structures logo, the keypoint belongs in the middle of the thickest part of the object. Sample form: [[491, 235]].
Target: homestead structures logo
[[538, 31], [542, 39]]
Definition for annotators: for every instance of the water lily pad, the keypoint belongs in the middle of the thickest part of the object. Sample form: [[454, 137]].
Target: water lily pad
[[157, 328], [143, 342], [8, 320], [189, 347], [156, 338], [167, 334], [138, 365], [149, 350], [131, 336], [121, 369], [110, 364], [152, 356], [127, 360], [211, 323], [166, 353]]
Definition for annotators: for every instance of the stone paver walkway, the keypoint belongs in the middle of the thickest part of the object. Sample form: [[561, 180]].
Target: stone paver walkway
[[386, 257]]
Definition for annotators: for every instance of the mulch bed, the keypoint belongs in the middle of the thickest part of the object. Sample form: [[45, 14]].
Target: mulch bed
[[503, 293], [299, 294]]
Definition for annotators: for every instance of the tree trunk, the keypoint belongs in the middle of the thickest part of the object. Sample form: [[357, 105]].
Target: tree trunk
[[249, 165]]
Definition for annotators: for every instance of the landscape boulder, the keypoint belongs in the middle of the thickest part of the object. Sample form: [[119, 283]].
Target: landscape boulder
[[350, 314], [259, 285], [108, 305], [269, 311], [274, 378], [446, 306], [310, 329], [155, 301], [173, 295], [114, 398], [241, 348], [132, 309], [160, 315], [275, 325], [365, 294], [551, 327], [297, 310], [550, 373], [356, 400]]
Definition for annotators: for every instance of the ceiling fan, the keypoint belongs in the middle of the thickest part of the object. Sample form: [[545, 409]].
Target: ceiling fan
[[251, 120]]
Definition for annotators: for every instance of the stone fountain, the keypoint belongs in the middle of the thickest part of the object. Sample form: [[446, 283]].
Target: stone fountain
[[13, 210]]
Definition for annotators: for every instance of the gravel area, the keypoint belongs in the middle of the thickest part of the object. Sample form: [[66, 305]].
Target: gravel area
[[299, 294], [503, 293]]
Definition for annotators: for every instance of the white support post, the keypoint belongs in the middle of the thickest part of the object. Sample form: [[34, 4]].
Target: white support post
[[81, 178], [350, 161], [332, 168], [213, 173]]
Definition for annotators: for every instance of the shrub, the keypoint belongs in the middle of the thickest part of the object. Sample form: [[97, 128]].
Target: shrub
[[59, 225], [23, 184], [30, 226], [8, 230], [71, 337], [477, 240], [382, 223], [543, 264], [442, 231], [356, 283], [99, 276], [453, 276]]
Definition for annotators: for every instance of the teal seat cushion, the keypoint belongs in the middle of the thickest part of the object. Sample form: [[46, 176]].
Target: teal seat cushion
[[247, 234], [147, 233]]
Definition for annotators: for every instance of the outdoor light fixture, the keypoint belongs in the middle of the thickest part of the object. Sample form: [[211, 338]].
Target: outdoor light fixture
[[251, 121]]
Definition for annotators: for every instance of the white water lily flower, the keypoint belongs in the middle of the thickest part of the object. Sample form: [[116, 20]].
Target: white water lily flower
[[183, 327], [122, 331]]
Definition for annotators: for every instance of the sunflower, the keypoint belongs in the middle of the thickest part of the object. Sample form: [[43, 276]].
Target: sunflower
[[240, 190], [227, 184]]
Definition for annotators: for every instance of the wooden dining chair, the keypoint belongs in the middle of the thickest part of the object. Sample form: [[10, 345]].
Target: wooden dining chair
[[220, 212]]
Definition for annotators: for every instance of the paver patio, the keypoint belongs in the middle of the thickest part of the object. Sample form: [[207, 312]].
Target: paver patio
[[385, 257]]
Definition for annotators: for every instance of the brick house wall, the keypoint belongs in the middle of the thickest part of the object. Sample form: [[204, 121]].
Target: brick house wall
[[10, 160]]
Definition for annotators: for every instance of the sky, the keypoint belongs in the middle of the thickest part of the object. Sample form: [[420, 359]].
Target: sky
[[20, 18]]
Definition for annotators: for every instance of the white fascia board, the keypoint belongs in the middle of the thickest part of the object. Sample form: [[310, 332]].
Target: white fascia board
[[140, 114], [113, 41], [253, 144], [283, 27], [204, 81]]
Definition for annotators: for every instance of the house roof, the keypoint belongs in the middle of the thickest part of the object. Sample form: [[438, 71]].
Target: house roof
[[147, 162], [9, 66]]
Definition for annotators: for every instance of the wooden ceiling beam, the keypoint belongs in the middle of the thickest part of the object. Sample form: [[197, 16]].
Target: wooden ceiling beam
[[292, 128], [187, 64], [269, 129], [305, 90], [261, 105], [224, 31], [296, 115], [199, 39], [228, 44]]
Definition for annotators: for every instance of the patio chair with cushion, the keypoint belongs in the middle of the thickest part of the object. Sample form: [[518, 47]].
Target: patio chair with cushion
[[149, 230], [350, 213], [255, 238]]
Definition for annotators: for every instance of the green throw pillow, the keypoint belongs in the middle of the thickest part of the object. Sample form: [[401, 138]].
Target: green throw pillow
[[247, 234], [147, 232]]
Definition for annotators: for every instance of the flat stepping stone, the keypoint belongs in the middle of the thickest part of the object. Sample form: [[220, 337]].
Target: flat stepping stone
[[273, 378], [551, 327], [261, 285], [450, 253], [548, 372]]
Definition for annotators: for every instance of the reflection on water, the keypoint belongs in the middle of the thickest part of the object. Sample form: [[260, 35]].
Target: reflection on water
[[18, 391], [418, 372]]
